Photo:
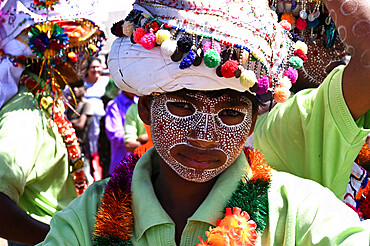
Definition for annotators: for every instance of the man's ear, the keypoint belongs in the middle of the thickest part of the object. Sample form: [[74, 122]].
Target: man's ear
[[144, 109], [254, 119]]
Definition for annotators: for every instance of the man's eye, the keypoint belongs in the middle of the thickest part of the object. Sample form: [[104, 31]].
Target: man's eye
[[180, 108], [231, 116]]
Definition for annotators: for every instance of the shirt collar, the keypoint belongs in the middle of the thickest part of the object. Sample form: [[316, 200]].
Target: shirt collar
[[147, 210]]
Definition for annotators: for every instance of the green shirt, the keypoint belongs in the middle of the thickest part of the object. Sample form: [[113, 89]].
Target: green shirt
[[134, 126], [313, 135], [301, 212], [33, 159]]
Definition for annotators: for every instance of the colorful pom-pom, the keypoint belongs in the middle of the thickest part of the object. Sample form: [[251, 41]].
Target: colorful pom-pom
[[212, 58], [286, 25], [138, 34], [313, 24], [284, 82], [248, 78], [296, 62], [292, 74], [148, 41], [228, 68], [263, 85], [184, 43], [300, 23], [128, 28], [288, 17], [72, 56], [208, 45], [162, 35], [168, 47], [300, 54], [281, 94], [188, 60], [302, 46]]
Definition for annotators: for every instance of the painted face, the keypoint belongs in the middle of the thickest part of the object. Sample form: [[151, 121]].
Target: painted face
[[200, 136]]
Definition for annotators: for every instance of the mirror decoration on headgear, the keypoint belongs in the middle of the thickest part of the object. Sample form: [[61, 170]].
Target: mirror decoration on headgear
[[311, 22], [239, 40], [50, 42]]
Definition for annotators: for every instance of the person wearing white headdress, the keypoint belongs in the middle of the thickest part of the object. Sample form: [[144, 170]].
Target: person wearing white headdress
[[41, 165], [201, 73]]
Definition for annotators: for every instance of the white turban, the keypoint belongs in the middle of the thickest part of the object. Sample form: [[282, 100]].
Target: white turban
[[144, 71], [140, 71]]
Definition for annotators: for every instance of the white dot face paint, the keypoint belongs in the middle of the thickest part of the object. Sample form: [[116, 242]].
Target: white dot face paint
[[200, 136]]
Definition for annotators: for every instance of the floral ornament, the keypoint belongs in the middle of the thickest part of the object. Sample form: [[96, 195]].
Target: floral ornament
[[45, 4], [47, 39], [236, 228], [43, 92]]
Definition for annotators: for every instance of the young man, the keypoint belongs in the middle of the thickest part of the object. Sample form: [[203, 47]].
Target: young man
[[200, 116], [40, 158]]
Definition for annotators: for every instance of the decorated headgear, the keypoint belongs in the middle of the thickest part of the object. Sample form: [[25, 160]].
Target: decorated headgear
[[311, 23], [52, 31], [47, 33], [165, 46]]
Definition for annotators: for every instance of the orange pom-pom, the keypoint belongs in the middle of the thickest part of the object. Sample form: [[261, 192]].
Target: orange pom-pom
[[281, 94], [288, 17]]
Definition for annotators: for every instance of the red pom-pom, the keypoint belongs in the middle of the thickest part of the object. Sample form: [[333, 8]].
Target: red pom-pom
[[228, 68], [300, 54], [152, 25], [138, 34], [286, 25], [300, 23], [148, 41]]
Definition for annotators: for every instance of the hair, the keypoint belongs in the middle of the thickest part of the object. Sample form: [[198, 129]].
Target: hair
[[91, 59]]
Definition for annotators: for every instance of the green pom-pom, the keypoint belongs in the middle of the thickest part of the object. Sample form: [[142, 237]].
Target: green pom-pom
[[296, 62], [212, 58]]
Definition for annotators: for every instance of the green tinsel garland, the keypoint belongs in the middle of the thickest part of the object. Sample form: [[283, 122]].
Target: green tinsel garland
[[253, 198]]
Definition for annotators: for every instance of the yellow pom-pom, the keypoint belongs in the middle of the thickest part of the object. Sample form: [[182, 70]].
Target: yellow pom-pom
[[248, 78], [281, 94], [162, 35], [301, 45]]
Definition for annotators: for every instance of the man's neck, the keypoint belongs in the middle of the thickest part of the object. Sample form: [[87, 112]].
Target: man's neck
[[179, 198]]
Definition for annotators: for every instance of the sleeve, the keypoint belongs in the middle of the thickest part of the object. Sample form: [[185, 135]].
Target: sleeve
[[75, 224], [131, 128], [303, 213], [20, 141], [114, 124], [88, 109], [325, 220], [313, 135]]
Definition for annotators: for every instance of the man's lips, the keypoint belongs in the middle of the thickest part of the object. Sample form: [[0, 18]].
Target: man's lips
[[198, 158]]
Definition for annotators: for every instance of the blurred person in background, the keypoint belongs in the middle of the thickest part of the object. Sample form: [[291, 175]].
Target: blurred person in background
[[95, 89], [40, 157], [114, 126]]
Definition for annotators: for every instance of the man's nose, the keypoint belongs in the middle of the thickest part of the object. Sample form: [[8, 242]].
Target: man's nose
[[203, 134]]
